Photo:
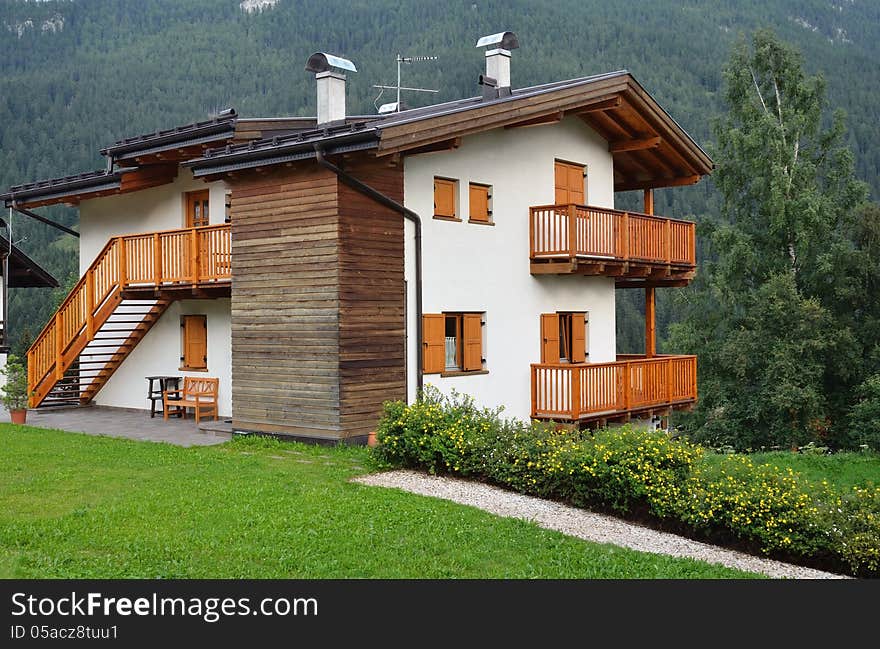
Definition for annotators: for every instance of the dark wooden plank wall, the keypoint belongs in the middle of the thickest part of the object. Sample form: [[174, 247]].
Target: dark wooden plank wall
[[285, 302], [372, 331], [318, 324]]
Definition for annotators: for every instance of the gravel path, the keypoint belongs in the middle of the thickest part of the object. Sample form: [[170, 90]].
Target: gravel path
[[581, 523]]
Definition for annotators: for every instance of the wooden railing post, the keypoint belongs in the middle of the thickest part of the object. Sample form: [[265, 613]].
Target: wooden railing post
[[626, 386], [534, 410], [668, 237], [59, 345], [669, 375], [157, 260], [90, 304], [575, 393], [123, 263], [572, 231], [194, 255], [625, 240], [531, 233]]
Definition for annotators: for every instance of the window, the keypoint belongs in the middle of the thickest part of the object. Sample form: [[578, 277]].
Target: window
[[446, 199], [194, 342], [480, 203], [569, 183], [453, 342], [564, 337], [197, 209], [227, 214]]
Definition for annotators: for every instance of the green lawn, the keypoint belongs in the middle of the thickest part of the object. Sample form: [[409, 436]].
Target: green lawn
[[75, 506], [843, 471]]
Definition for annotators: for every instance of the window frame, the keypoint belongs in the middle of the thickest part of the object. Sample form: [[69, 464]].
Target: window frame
[[464, 321], [453, 183], [558, 340]]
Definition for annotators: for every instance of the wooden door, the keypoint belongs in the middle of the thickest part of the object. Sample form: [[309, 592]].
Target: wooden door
[[197, 209], [570, 181]]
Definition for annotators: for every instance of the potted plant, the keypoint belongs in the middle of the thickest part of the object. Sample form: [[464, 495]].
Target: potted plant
[[15, 391]]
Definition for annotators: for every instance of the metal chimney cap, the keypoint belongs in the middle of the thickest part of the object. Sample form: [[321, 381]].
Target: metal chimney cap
[[504, 40], [322, 62]]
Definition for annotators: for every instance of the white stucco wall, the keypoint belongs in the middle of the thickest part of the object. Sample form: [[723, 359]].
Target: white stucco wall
[[159, 354], [471, 267], [149, 210]]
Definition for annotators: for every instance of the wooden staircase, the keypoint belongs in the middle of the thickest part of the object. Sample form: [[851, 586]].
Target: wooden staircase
[[116, 302]]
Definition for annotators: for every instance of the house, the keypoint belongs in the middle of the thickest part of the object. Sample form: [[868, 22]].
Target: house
[[17, 270], [321, 266]]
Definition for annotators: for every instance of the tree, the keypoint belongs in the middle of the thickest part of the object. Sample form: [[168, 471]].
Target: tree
[[768, 318]]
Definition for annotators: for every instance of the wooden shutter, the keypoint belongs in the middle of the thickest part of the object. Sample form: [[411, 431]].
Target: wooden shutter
[[444, 197], [434, 343], [195, 342], [578, 338], [472, 335], [197, 209], [479, 203], [549, 338], [569, 183]]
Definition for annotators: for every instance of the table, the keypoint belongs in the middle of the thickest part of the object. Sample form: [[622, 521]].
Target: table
[[155, 394]]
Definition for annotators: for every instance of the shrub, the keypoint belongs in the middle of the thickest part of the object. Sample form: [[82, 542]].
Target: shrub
[[634, 471], [865, 415], [15, 390]]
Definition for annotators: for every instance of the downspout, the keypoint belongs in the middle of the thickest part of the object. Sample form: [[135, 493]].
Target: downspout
[[408, 214]]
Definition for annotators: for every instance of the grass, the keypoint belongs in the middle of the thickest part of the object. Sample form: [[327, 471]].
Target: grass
[[76, 506], [843, 471]]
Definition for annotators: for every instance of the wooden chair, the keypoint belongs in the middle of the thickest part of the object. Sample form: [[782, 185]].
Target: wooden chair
[[200, 394]]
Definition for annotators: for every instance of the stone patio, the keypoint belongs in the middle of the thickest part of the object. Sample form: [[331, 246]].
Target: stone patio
[[130, 424]]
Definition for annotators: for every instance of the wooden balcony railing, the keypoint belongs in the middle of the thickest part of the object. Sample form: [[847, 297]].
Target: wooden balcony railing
[[191, 256], [573, 231], [593, 390]]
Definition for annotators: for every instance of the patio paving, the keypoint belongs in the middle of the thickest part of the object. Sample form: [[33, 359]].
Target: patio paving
[[130, 424]]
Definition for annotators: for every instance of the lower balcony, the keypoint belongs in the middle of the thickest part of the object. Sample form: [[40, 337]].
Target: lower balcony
[[631, 386]]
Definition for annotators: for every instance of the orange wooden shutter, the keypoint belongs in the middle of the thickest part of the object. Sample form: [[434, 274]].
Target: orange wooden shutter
[[479, 202], [434, 343], [569, 183], [195, 341], [472, 334], [549, 338], [578, 338], [444, 197]]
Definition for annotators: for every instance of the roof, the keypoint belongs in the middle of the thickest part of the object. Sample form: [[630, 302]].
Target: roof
[[47, 190], [24, 271], [650, 148], [219, 128]]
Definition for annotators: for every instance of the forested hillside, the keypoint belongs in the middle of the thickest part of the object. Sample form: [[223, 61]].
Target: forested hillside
[[78, 75]]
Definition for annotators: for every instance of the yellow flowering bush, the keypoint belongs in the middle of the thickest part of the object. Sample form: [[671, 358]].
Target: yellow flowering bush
[[635, 471]]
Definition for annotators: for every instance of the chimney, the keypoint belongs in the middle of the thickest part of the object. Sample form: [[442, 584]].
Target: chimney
[[496, 81], [331, 85]]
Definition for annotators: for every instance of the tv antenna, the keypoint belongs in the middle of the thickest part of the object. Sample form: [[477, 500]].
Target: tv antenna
[[394, 107]]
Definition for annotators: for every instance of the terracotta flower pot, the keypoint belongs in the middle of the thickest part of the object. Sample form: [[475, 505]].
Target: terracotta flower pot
[[371, 438], [18, 416]]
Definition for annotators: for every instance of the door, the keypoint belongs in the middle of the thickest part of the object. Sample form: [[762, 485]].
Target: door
[[570, 182], [197, 209]]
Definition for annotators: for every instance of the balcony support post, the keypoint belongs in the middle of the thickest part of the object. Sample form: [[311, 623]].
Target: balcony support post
[[650, 331], [572, 231], [575, 395]]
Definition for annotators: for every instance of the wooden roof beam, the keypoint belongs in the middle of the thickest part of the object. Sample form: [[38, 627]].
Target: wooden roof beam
[[552, 118], [634, 145], [443, 145], [659, 182], [599, 106]]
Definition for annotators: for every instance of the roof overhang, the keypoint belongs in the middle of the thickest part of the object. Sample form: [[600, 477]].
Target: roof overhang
[[24, 272], [649, 148], [94, 184]]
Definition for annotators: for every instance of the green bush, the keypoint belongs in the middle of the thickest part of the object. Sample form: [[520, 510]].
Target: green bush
[[639, 472], [865, 415]]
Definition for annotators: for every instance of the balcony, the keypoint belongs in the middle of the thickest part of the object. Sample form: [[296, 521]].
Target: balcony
[[637, 249], [633, 385]]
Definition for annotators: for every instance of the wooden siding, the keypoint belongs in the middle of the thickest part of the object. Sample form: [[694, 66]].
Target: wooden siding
[[285, 302], [372, 328], [318, 335]]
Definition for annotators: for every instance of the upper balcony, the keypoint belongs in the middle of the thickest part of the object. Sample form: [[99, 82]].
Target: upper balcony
[[637, 249]]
